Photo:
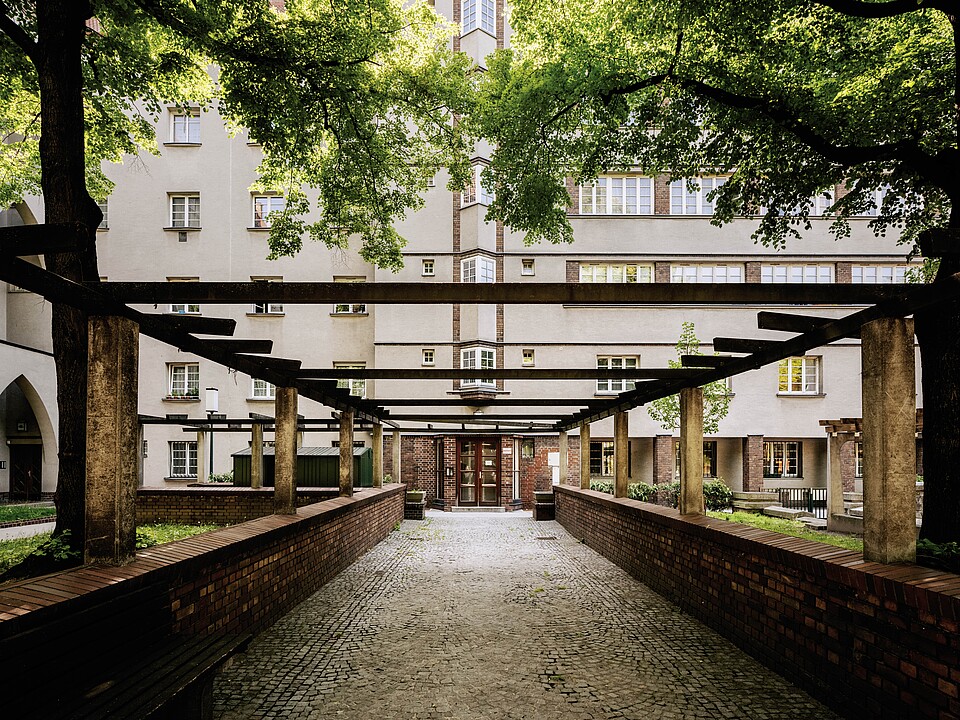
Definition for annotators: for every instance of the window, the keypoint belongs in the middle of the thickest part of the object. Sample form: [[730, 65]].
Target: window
[[478, 269], [527, 447], [693, 202], [527, 267], [821, 202], [183, 458], [601, 458], [615, 273], [428, 268], [527, 357], [796, 273], [263, 205], [858, 458], [610, 362], [104, 225], [262, 390], [878, 197], [429, 357], [709, 458], [184, 381], [782, 459], [185, 211], [356, 386], [185, 127], [487, 20], [878, 273], [611, 195], [184, 308], [702, 273], [350, 308], [475, 192], [266, 307], [799, 375], [479, 359]]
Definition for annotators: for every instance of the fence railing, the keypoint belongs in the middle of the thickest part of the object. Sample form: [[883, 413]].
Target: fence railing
[[813, 500]]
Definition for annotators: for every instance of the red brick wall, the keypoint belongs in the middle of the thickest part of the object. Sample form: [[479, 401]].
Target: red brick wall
[[751, 273], [664, 460], [661, 272], [752, 463], [844, 272], [661, 195], [870, 640], [573, 271], [848, 465], [215, 506]]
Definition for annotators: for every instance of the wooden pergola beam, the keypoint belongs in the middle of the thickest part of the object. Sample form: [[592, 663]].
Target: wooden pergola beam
[[790, 322], [24, 240], [705, 361], [492, 402], [202, 325]]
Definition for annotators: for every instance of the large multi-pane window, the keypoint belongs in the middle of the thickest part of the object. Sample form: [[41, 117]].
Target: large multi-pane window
[[601, 458], [183, 380], [807, 273], [185, 127], [477, 358], [263, 390], [616, 362], [475, 191], [782, 458], [709, 458], [478, 13], [705, 273], [349, 308], [356, 386], [617, 195], [687, 201], [185, 211], [878, 274], [615, 273], [478, 269], [263, 205], [799, 375], [184, 308], [183, 458]]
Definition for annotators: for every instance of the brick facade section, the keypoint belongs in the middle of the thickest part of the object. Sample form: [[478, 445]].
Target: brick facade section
[[661, 195], [664, 459], [751, 272], [573, 206], [661, 271], [215, 506], [752, 463], [844, 272], [848, 465], [870, 640], [573, 271]]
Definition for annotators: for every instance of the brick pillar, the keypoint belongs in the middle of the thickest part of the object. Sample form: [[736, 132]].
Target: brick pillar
[[661, 195], [395, 452], [564, 457], [256, 455], [112, 450], [346, 453], [621, 453], [751, 272], [844, 272], [889, 446], [752, 463], [691, 451], [664, 461], [848, 465], [285, 452], [661, 271], [585, 456], [377, 455]]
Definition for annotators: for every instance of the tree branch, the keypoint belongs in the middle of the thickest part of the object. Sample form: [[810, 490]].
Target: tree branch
[[892, 8], [17, 33]]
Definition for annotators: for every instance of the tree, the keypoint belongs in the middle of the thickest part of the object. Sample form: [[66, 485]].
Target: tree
[[716, 395], [351, 98], [789, 97]]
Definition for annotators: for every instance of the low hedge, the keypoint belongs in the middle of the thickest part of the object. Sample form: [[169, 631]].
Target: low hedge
[[716, 494]]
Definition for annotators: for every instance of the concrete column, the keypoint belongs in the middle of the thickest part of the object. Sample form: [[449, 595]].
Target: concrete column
[[835, 443], [377, 455], [256, 456], [395, 451], [691, 451], [621, 453], [585, 456], [285, 452], [346, 453], [112, 433], [202, 468], [564, 456], [889, 446]]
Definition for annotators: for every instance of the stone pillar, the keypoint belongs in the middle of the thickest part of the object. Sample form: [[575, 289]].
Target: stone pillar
[[752, 463], [835, 443], [285, 452], [377, 455], [691, 451], [621, 453], [395, 450], [256, 455], [585, 456], [202, 470], [664, 460], [889, 445], [564, 457], [112, 433], [346, 453]]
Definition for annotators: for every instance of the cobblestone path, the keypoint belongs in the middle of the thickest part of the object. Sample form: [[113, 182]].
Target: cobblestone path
[[495, 616]]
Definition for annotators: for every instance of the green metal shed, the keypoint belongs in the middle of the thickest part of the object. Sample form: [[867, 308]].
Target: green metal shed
[[316, 467]]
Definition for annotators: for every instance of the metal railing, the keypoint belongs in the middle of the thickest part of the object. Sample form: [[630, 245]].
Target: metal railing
[[813, 500]]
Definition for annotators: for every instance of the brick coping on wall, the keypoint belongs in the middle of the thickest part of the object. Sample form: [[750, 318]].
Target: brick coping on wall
[[869, 639]]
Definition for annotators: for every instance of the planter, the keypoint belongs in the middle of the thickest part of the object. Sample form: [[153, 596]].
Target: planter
[[415, 496], [543, 496]]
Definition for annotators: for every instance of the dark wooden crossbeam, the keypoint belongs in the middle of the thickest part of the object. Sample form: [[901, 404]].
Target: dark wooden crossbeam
[[485, 417], [26, 240], [493, 373], [741, 345], [244, 346], [281, 364], [202, 325], [790, 322], [705, 361], [491, 402], [940, 242]]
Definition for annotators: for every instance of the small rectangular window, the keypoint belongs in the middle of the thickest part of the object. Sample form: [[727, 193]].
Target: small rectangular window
[[184, 308], [185, 211], [263, 206], [266, 307], [612, 362], [183, 458], [429, 357], [601, 458], [782, 459], [262, 390], [427, 268], [527, 267], [183, 381], [350, 308], [799, 376], [528, 357], [104, 224], [356, 386], [185, 127]]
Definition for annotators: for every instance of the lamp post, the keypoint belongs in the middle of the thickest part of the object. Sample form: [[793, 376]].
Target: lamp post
[[213, 406]]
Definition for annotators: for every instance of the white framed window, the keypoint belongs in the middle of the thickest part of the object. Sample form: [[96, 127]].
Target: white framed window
[[104, 207], [183, 381], [799, 376], [782, 458], [601, 458], [478, 14], [527, 357], [185, 211], [684, 201], [428, 357], [350, 308], [617, 195], [356, 386], [478, 358], [865, 274], [266, 307], [527, 267], [858, 458], [263, 205], [616, 362], [262, 390], [185, 127], [879, 195], [184, 308], [807, 273], [821, 202], [183, 458], [478, 269], [615, 273], [704, 273], [475, 192], [428, 268]]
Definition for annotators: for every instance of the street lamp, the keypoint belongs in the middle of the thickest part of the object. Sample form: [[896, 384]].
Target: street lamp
[[213, 406]]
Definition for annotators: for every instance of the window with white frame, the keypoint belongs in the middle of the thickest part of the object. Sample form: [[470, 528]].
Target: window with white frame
[[878, 274], [615, 273], [821, 202], [486, 21], [428, 357], [185, 127], [185, 211], [527, 267], [184, 308], [705, 273], [263, 205], [183, 458], [602, 458], [350, 308], [617, 195], [263, 390], [477, 358], [806, 273], [356, 386], [782, 458], [858, 458], [428, 268], [478, 269], [183, 381], [266, 307], [475, 192], [104, 224], [616, 362], [527, 357], [799, 375], [687, 201]]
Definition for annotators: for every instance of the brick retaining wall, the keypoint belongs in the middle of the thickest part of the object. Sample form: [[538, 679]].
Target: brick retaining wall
[[211, 505], [870, 640]]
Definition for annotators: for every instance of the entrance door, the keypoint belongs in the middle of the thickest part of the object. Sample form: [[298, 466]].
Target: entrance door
[[25, 463], [479, 480]]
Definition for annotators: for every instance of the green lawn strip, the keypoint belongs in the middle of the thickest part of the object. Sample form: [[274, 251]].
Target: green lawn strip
[[12, 513], [791, 527], [16, 549]]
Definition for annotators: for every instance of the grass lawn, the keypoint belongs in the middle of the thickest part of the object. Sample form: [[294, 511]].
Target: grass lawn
[[11, 513], [791, 527]]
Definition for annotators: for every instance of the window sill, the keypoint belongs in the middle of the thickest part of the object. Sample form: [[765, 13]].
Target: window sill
[[102, 229], [181, 478], [464, 205], [349, 314], [263, 315], [170, 398], [254, 228], [182, 144], [791, 478], [801, 395], [191, 228], [261, 399]]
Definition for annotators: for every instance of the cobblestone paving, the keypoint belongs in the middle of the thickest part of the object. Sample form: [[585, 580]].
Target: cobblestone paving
[[496, 616]]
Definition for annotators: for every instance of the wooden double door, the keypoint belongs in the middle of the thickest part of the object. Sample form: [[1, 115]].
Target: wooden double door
[[26, 462], [478, 462]]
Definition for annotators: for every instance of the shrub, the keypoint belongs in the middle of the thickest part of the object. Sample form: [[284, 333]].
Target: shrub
[[224, 478], [944, 556], [668, 494], [642, 492], [716, 494], [601, 486]]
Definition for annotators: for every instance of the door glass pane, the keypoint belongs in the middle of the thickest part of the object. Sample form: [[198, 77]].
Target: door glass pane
[[489, 494]]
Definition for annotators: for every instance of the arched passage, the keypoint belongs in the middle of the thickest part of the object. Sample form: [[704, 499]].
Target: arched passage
[[29, 439]]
